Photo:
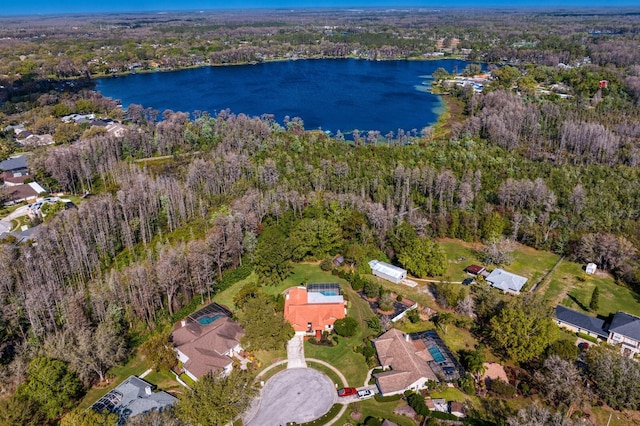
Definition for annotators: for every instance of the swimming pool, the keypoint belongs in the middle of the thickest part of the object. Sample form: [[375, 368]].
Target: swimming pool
[[330, 293], [436, 354], [208, 320]]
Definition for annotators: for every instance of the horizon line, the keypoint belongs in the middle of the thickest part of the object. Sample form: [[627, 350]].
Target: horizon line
[[436, 8]]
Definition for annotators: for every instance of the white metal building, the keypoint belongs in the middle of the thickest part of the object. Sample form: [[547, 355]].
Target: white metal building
[[388, 272], [506, 281]]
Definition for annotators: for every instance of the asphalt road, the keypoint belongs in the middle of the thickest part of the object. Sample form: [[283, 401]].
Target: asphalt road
[[296, 395]]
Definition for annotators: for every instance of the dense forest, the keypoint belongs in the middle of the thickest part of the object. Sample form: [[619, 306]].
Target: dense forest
[[510, 163]]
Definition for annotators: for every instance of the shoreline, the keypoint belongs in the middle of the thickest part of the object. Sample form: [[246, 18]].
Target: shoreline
[[158, 70]]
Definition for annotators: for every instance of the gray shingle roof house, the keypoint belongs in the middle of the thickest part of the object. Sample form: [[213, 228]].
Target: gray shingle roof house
[[15, 165], [132, 397], [624, 330], [506, 281], [579, 322]]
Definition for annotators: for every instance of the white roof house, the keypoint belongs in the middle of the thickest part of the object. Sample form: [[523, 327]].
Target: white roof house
[[506, 281], [591, 268], [388, 272]]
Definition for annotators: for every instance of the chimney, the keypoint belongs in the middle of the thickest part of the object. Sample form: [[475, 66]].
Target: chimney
[[407, 337], [147, 390], [183, 323]]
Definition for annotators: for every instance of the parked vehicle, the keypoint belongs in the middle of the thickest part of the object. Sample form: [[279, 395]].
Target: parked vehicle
[[583, 346], [347, 391], [365, 393]]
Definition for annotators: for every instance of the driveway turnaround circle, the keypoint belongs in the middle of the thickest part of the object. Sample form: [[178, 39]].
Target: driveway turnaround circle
[[297, 395]]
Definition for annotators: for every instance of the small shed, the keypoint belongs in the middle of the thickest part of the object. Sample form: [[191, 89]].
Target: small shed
[[591, 268], [474, 269], [387, 272]]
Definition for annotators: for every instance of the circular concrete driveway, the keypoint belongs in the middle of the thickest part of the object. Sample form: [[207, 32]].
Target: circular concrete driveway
[[297, 395]]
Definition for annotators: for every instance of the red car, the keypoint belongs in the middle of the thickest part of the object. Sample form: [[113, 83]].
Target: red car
[[347, 391]]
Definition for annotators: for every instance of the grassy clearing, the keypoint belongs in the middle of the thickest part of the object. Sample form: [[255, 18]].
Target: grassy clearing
[[371, 407], [342, 356], [165, 381], [532, 263], [419, 294], [117, 375], [460, 254], [571, 287], [302, 273], [528, 262], [454, 394], [608, 416]]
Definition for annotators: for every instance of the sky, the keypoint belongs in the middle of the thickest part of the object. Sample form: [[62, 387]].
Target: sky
[[34, 7]]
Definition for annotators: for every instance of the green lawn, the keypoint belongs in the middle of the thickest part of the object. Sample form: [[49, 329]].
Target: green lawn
[[571, 287], [302, 273], [528, 262], [418, 294], [117, 375], [164, 380], [531, 263], [455, 394], [371, 407], [460, 254], [610, 417], [342, 356]]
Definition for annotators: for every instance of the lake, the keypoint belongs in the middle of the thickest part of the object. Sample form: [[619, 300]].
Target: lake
[[327, 94]]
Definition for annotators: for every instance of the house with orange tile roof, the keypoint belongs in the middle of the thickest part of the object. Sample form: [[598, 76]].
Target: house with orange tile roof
[[314, 309]]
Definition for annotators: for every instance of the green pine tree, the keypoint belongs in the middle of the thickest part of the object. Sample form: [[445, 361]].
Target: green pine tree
[[593, 305]]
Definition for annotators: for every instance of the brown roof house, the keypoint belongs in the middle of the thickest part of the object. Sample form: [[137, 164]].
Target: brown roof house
[[407, 360], [206, 342]]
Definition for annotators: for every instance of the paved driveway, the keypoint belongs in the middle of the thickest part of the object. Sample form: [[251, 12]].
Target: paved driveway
[[296, 395], [5, 223]]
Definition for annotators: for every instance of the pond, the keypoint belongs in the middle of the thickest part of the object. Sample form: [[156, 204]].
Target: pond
[[327, 94]]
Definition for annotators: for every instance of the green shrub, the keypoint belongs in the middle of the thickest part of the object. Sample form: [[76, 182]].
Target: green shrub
[[390, 398], [587, 337], [326, 265], [371, 289], [503, 389], [416, 401], [346, 327], [372, 421], [467, 384], [413, 315], [442, 416]]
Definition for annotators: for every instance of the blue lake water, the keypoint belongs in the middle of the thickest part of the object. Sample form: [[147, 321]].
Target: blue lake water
[[330, 94]]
